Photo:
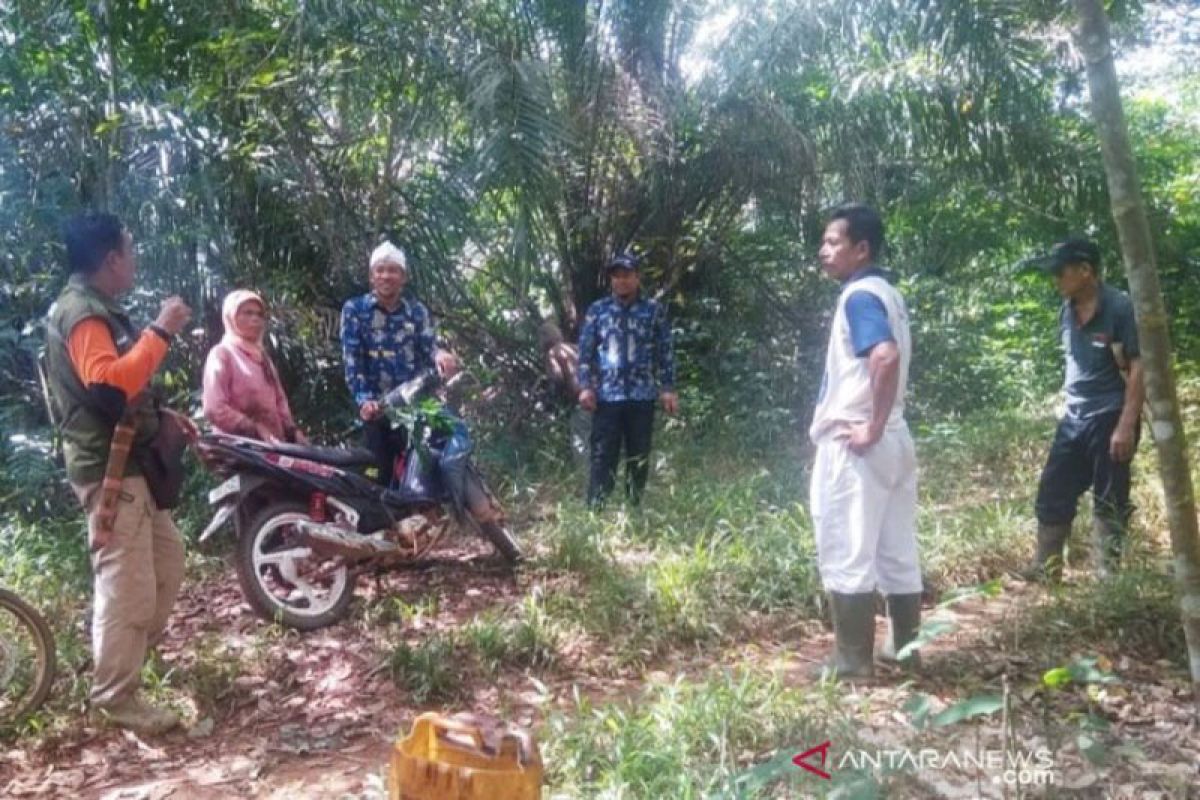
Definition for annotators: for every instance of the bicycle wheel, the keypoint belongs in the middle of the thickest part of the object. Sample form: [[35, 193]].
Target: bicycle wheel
[[26, 657]]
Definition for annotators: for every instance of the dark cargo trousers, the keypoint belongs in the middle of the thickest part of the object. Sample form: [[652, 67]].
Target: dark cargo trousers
[[1079, 460]]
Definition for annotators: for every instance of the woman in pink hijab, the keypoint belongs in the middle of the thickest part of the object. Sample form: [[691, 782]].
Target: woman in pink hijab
[[242, 392]]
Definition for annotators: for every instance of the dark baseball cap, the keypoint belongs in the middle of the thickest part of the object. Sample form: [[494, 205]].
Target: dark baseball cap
[[623, 261], [1071, 250]]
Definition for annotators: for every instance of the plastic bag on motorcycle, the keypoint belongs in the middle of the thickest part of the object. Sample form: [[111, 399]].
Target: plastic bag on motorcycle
[[438, 465]]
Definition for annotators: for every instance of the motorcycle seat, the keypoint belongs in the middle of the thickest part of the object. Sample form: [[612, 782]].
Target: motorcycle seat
[[333, 456]]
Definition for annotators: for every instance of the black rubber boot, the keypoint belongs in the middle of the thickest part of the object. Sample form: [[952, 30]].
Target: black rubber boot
[[1108, 541], [904, 620], [854, 637], [1048, 564]]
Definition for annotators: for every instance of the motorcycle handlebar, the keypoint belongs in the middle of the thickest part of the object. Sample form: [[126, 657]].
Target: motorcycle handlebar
[[406, 393]]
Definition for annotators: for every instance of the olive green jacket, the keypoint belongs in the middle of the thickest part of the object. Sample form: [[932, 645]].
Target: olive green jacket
[[88, 414]]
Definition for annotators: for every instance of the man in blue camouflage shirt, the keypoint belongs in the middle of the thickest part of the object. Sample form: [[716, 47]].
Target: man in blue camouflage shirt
[[387, 339], [625, 364]]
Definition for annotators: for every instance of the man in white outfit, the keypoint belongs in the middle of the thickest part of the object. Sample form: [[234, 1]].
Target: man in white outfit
[[864, 483]]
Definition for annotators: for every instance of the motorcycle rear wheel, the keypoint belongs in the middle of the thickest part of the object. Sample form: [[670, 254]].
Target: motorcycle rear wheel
[[282, 579], [27, 657]]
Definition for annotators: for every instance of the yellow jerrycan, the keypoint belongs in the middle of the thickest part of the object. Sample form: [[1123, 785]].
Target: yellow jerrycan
[[465, 757]]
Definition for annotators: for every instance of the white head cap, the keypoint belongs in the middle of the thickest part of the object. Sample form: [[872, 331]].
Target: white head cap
[[388, 253]]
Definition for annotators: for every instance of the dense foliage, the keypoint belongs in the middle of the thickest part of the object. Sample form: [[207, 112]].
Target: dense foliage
[[511, 147]]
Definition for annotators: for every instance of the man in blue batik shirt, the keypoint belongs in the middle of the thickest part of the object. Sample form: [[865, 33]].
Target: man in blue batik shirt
[[625, 364], [387, 339]]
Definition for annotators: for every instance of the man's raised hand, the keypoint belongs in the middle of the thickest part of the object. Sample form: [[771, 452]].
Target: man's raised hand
[[173, 315]]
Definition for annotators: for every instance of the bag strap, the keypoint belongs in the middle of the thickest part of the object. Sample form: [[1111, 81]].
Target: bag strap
[[56, 439]]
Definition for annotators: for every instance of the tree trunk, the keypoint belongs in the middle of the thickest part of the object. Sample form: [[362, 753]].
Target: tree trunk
[[110, 147], [1133, 228]]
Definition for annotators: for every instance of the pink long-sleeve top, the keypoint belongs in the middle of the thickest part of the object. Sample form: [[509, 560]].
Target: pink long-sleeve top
[[241, 386]]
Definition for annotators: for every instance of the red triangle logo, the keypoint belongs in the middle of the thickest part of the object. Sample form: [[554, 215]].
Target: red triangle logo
[[802, 760]]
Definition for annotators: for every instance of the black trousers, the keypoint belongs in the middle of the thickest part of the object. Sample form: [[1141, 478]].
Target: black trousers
[[387, 443], [1079, 460], [631, 423]]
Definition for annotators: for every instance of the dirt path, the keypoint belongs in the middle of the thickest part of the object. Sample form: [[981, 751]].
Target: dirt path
[[993, 650], [318, 715], [293, 710]]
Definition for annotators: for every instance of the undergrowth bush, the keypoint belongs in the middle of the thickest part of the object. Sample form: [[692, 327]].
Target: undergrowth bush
[[691, 738], [1135, 612], [426, 671]]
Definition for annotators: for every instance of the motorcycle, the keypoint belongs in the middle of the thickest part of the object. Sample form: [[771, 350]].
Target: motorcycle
[[308, 520]]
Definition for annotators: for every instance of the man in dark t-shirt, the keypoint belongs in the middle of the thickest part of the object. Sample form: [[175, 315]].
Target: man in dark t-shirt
[[1096, 438]]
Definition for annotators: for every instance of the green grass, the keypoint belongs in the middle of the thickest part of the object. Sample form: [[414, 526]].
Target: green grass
[[209, 679], [728, 734], [1135, 612], [728, 541], [689, 568], [530, 639], [45, 560], [721, 552], [426, 670]]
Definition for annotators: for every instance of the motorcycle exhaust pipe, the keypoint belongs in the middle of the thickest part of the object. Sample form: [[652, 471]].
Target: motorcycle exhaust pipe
[[333, 540]]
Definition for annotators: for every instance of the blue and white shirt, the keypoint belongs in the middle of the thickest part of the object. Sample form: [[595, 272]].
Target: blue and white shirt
[[625, 351], [846, 396], [382, 348], [866, 314]]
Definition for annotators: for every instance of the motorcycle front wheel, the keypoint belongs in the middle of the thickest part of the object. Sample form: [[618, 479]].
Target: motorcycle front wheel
[[494, 531], [283, 579], [27, 657], [502, 539]]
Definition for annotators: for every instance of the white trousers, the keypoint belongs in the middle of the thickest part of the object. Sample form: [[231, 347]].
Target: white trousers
[[864, 511]]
